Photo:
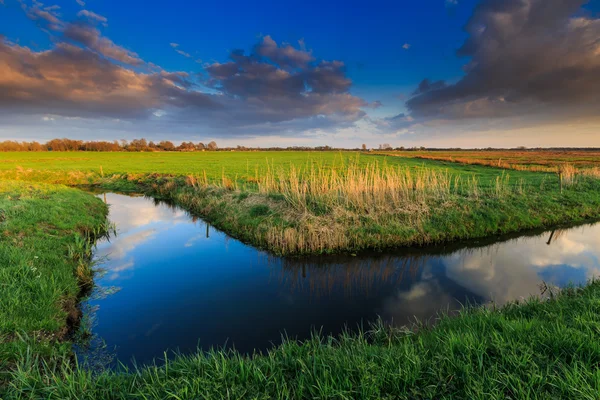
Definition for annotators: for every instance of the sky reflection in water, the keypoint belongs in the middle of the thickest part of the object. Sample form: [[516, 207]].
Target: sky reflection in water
[[183, 285]]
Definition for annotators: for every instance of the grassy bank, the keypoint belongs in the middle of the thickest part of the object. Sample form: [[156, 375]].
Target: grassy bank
[[538, 349], [379, 210], [295, 204], [46, 237]]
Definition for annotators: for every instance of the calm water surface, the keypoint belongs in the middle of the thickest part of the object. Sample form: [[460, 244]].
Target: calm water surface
[[170, 282]]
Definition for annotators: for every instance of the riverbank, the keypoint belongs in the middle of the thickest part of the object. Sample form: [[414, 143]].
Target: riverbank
[[534, 349], [46, 238]]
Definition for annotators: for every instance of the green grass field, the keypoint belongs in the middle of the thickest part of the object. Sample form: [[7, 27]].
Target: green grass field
[[326, 202], [296, 203], [243, 165]]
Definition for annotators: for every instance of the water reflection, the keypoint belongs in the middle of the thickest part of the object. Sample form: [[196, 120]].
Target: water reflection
[[183, 284]]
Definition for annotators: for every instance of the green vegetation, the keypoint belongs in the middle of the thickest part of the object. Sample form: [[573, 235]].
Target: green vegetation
[[46, 237], [323, 202], [75, 167], [295, 203], [538, 349]]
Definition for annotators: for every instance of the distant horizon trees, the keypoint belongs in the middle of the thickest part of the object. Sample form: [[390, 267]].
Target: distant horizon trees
[[143, 145]]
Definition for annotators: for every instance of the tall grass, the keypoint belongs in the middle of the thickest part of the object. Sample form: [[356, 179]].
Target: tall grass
[[361, 189], [374, 188]]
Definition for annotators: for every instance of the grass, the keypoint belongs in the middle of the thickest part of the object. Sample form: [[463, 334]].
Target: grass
[[291, 203], [242, 167], [539, 349], [46, 236]]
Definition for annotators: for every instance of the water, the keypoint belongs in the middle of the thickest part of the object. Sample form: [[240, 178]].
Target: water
[[170, 282]]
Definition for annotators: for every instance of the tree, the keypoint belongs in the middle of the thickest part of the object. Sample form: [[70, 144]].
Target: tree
[[212, 146], [138, 145], [166, 145], [385, 146], [364, 147], [200, 146], [186, 146]]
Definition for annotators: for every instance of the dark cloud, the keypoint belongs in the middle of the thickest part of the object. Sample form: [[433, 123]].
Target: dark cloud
[[76, 82], [280, 83], [285, 56], [426, 86], [527, 56]]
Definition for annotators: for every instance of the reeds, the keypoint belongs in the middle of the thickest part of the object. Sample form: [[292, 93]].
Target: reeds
[[371, 188]]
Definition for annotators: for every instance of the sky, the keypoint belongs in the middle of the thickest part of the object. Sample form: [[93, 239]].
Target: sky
[[434, 73]]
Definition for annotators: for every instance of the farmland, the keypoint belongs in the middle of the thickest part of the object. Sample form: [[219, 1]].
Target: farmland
[[546, 161]]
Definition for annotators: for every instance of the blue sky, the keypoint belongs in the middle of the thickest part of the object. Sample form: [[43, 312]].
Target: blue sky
[[384, 50]]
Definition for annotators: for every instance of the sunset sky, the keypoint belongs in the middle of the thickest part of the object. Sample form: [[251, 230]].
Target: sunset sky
[[437, 73]]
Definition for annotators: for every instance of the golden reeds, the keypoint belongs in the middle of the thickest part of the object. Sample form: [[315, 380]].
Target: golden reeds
[[359, 188]]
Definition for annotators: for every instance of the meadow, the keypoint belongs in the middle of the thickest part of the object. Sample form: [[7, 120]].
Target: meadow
[[296, 203], [241, 166]]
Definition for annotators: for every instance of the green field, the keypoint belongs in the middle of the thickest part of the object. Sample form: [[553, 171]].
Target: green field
[[243, 165], [296, 203], [326, 202]]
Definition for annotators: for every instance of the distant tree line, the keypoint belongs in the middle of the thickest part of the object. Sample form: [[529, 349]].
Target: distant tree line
[[122, 145], [140, 145]]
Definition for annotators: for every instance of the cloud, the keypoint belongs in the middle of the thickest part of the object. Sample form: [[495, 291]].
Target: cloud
[[527, 57], [285, 56], [81, 3], [92, 16], [91, 38], [183, 53], [274, 89], [406, 46], [276, 84], [426, 86], [73, 81], [47, 18]]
